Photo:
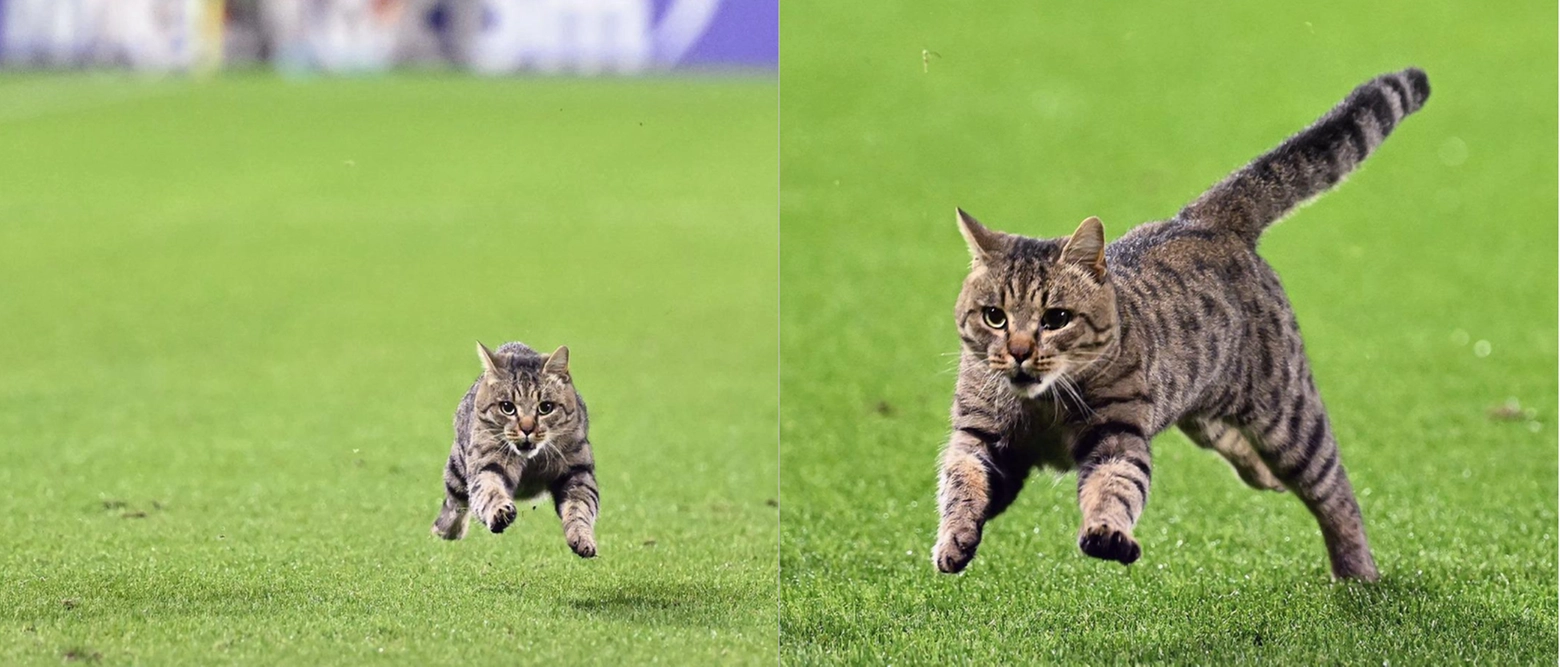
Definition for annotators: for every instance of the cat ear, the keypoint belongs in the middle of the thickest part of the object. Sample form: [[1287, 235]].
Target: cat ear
[[1087, 246], [983, 242], [489, 360], [558, 361]]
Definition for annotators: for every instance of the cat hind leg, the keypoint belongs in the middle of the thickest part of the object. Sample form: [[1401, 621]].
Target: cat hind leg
[[451, 524], [1298, 445]]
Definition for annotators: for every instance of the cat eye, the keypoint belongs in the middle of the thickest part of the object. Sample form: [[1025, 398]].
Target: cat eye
[[1055, 318], [545, 408], [994, 317], [506, 407]]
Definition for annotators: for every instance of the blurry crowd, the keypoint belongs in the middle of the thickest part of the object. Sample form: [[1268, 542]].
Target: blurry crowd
[[490, 36]]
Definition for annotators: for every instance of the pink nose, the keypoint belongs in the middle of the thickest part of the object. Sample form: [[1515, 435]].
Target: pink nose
[[527, 424], [1021, 346]]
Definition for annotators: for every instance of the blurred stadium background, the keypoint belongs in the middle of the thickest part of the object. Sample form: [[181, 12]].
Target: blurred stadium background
[[344, 36]]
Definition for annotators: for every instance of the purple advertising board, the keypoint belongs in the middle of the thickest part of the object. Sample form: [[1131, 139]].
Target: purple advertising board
[[621, 36], [739, 33]]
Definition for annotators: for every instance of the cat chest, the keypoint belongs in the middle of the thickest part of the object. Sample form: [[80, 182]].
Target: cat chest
[[534, 481], [1046, 437], [1051, 448], [530, 491]]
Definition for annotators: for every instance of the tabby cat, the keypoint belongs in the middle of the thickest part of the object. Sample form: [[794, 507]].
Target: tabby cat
[[1076, 353], [521, 430]]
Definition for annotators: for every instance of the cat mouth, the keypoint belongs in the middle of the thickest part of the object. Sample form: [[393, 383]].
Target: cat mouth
[[526, 448], [1030, 386]]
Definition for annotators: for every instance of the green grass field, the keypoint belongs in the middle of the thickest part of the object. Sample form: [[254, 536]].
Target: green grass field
[[237, 317], [1034, 116]]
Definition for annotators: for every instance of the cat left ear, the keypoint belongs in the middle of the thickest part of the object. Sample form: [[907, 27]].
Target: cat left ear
[[1087, 246], [982, 241], [489, 363], [558, 361]]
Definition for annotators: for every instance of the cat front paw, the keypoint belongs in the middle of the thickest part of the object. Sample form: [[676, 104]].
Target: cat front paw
[[1108, 543], [582, 542], [955, 548], [501, 517]]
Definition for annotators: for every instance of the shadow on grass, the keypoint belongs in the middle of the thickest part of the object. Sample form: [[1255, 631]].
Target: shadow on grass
[[680, 603], [261, 593]]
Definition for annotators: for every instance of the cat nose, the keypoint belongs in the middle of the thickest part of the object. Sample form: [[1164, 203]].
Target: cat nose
[[527, 424], [1021, 346]]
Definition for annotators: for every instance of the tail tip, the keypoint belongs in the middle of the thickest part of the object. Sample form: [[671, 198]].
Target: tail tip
[[1419, 83]]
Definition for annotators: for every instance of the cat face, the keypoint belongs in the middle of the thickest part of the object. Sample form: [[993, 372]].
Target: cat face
[[528, 402], [1037, 311]]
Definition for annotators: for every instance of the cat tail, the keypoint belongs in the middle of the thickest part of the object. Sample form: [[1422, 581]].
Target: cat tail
[[1312, 161]]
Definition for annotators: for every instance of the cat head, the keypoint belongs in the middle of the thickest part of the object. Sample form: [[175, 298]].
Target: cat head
[[527, 401], [1037, 311]]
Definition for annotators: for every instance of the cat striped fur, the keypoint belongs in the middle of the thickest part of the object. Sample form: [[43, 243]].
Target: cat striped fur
[[1075, 353], [521, 430]]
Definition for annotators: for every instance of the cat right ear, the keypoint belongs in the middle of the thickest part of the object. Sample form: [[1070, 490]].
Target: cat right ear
[[1087, 246], [558, 361], [982, 242], [489, 360]]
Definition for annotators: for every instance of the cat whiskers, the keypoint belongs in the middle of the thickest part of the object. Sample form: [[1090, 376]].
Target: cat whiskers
[[1071, 387], [1088, 359], [1056, 408], [992, 380], [953, 365], [548, 453]]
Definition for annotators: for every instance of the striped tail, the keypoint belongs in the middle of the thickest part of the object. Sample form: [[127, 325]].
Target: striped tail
[[1313, 161]]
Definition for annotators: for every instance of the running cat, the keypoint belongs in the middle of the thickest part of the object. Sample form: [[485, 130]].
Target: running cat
[[1076, 353], [521, 430]]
